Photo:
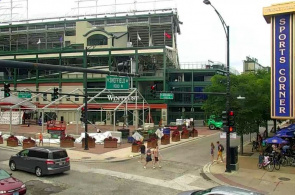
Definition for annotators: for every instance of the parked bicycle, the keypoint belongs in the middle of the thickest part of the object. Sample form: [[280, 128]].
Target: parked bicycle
[[254, 146], [275, 160], [265, 163]]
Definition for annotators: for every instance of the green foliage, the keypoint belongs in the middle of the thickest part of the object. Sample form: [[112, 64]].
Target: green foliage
[[250, 112]]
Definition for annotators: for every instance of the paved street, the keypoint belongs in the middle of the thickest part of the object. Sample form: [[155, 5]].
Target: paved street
[[181, 170]]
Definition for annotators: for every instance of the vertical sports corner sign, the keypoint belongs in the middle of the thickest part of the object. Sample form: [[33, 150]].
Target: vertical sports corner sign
[[282, 98]]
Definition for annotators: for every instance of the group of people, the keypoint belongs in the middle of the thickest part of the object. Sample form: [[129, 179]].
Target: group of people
[[220, 150], [150, 155]]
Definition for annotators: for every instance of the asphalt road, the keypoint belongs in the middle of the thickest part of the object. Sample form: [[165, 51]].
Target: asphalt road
[[181, 170]]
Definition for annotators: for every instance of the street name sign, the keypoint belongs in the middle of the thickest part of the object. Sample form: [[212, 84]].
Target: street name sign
[[24, 94], [166, 96], [115, 82]]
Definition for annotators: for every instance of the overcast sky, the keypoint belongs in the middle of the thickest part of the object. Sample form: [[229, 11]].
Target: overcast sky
[[202, 36]]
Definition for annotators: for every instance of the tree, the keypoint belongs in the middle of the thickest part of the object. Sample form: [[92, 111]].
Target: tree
[[251, 112]]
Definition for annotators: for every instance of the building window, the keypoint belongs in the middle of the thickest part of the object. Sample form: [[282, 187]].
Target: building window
[[76, 97], [44, 96], [97, 40]]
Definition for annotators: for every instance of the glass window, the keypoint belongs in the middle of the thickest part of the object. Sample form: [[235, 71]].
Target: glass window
[[76, 97], [38, 154], [97, 40], [59, 154], [4, 174], [24, 153]]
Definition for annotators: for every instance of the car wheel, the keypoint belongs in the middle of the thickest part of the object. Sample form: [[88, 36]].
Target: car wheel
[[211, 127], [38, 172], [12, 166]]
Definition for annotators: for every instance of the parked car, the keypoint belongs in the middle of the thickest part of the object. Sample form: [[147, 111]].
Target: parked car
[[10, 185], [41, 160], [221, 190]]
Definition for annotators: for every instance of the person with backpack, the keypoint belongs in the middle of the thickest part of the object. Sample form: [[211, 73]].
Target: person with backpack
[[220, 149]]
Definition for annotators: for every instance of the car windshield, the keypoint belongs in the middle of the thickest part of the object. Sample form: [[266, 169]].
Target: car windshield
[[4, 175], [200, 192]]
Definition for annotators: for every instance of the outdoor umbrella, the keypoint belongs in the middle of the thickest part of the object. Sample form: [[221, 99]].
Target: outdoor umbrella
[[275, 140], [286, 133]]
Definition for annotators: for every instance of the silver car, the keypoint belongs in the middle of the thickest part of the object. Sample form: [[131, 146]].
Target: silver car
[[221, 190], [41, 160]]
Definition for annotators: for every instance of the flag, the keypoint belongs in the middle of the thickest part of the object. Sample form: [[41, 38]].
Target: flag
[[39, 42], [167, 35], [138, 37]]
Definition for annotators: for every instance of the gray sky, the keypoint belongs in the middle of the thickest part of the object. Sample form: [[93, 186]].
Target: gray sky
[[202, 36]]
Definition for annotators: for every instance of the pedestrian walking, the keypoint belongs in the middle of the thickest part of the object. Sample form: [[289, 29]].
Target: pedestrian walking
[[142, 152], [212, 152], [156, 155], [148, 157], [40, 139], [220, 149]]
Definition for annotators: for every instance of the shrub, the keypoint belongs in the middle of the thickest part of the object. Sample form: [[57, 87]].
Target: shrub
[[175, 133], [152, 139], [165, 136], [110, 139], [185, 131], [28, 140], [12, 138], [137, 143], [67, 138]]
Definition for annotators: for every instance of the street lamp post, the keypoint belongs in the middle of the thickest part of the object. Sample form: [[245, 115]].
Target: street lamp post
[[226, 30]]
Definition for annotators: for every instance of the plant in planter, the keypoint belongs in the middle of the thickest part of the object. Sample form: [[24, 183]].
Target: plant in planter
[[91, 142], [165, 139], [175, 136], [110, 142], [67, 141], [185, 134], [12, 141], [136, 146], [194, 133], [152, 142], [1, 139], [28, 143]]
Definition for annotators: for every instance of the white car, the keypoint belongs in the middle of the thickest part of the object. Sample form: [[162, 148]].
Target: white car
[[221, 190]]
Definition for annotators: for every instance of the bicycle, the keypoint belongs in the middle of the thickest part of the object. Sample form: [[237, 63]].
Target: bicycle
[[264, 162], [275, 160]]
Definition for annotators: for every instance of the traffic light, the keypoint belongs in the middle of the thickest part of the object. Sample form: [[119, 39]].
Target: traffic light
[[82, 114], [231, 121], [224, 118], [6, 90], [55, 93], [153, 90]]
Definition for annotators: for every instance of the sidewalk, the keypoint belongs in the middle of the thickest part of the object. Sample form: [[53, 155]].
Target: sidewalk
[[249, 176], [122, 153]]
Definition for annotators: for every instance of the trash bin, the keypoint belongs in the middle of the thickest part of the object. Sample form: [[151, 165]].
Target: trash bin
[[233, 154], [234, 165]]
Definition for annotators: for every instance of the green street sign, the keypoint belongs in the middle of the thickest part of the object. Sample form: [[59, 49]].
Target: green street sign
[[24, 95], [166, 96], [115, 82]]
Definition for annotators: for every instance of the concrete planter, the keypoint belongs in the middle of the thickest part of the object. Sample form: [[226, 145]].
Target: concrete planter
[[1, 140], [152, 144], [12, 143], [135, 148], [29, 144], [67, 143], [185, 136], [110, 144], [176, 138], [165, 141], [194, 133], [91, 143]]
